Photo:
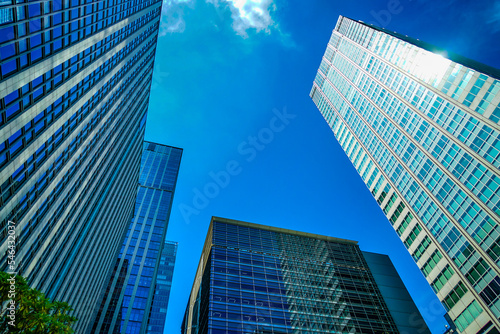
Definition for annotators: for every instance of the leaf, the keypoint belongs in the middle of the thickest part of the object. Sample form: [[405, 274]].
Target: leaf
[[35, 313]]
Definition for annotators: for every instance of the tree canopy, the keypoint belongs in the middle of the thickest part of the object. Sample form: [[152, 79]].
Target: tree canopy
[[33, 312]]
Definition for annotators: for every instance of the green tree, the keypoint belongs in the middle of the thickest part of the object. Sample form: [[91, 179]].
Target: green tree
[[34, 313]]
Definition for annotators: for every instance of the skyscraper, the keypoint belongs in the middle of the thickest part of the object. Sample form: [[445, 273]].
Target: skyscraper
[[421, 127], [159, 307], [261, 279], [74, 90], [136, 297]]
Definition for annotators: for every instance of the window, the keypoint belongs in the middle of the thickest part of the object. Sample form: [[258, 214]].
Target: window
[[397, 213], [454, 296], [468, 316], [474, 90], [406, 221], [442, 278], [390, 203], [477, 271], [431, 262], [382, 196], [412, 236], [421, 248]]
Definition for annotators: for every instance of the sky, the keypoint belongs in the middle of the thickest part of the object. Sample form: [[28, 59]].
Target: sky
[[231, 87]]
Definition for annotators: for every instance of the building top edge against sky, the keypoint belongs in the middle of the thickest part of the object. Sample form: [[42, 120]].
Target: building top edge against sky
[[164, 145], [457, 58], [278, 230]]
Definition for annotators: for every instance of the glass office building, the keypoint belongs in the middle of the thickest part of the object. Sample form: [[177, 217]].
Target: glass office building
[[260, 279], [74, 88], [159, 306], [136, 297], [421, 127]]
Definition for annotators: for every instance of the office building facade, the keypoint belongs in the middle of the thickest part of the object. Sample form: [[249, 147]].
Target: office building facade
[[422, 131], [159, 306], [260, 279], [136, 297], [74, 88]]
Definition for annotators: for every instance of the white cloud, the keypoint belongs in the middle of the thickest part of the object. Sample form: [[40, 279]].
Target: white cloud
[[245, 14], [249, 14], [172, 20]]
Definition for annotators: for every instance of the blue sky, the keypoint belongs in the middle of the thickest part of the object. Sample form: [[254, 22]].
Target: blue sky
[[231, 87]]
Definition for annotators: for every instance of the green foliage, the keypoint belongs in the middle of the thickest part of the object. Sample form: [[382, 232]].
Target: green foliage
[[34, 313]]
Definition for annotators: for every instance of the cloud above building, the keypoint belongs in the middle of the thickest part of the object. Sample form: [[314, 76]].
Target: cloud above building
[[172, 20], [245, 14], [249, 14]]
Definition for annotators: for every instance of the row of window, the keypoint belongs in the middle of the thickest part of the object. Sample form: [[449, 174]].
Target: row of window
[[367, 133], [404, 224], [421, 248], [395, 216], [390, 203], [454, 296], [80, 229], [160, 169], [393, 50], [35, 128], [61, 209], [487, 98], [53, 39], [484, 235], [412, 236], [451, 235], [475, 89], [37, 218], [421, 130], [443, 277], [448, 116], [22, 98], [468, 316], [36, 161], [431, 262]]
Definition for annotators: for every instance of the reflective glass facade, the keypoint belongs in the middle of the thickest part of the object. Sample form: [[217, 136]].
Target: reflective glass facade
[[136, 297], [423, 132], [158, 311], [74, 89], [259, 279]]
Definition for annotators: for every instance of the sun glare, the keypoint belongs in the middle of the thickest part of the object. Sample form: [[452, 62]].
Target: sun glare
[[430, 67]]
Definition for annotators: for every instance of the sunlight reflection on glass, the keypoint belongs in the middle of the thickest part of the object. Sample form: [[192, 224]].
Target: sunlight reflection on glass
[[430, 67]]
